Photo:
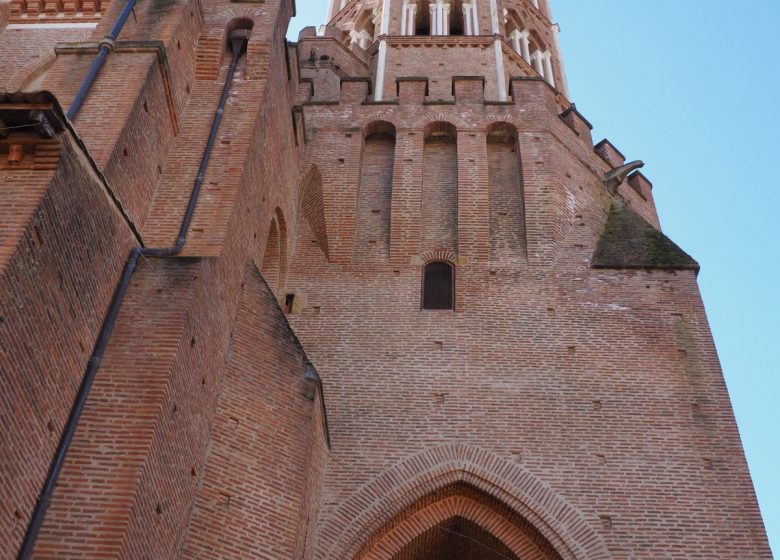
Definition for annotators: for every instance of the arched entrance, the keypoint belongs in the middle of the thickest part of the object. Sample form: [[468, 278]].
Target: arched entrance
[[458, 522], [456, 538], [426, 489]]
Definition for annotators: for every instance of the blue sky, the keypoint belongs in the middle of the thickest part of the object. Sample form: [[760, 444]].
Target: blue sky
[[691, 88]]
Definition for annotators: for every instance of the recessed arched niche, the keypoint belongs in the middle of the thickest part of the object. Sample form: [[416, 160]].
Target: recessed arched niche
[[275, 254], [372, 224], [505, 183], [439, 225]]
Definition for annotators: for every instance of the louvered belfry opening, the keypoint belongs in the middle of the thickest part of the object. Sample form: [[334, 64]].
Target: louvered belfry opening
[[438, 286]]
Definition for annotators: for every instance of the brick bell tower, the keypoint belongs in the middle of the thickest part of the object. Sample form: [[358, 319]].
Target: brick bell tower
[[374, 294], [516, 359]]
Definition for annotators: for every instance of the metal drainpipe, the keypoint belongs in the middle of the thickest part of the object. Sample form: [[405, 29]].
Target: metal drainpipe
[[238, 41], [106, 46]]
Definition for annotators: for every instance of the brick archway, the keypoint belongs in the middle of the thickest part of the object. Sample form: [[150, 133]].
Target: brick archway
[[406, 536], [374, 506], [497, 120]]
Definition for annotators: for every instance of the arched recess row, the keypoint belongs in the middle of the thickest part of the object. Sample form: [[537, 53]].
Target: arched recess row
[[372, 223], [274, 267], [507, 198]]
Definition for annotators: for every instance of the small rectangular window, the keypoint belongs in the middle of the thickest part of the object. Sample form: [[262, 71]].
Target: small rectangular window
[[289, 300], [437, 290]]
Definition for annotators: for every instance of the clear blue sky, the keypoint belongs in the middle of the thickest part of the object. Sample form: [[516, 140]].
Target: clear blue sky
[[691, 87]]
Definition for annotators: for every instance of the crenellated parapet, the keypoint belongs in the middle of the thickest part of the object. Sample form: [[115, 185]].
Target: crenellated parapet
[[480, 179]]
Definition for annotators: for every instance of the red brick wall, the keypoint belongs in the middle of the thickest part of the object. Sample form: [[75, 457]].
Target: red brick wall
[[324, 60], [372, 223], [58, 267], [133, 111], [338, 161], [19, 48], [507, 223], [475, 58], [589, 402], [312, 210], [439, 212], [316, 462], [251, 493], [5, 13], [587, 381], [136, 458], [272, 259]]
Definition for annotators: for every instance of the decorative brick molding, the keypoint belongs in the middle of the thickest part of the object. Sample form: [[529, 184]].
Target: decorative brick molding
[[430, 256], [498, 120], [382, 499], [31, 71], [380, 123], [451, 120], [63, 10]]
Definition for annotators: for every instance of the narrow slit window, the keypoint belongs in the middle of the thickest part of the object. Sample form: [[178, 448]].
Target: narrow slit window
[[289, 301], [438, 286]]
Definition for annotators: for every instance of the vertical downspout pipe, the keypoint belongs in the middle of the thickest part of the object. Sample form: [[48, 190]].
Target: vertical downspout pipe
[[106, 46], [238, 41]]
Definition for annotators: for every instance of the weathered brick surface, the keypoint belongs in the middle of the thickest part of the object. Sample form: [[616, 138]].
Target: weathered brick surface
[[605, 431], [20, 49], [57, 11], [570, 412], [372, 228], [439, 210], [505, 179], [248, 499], [455, 56], [63, 247]]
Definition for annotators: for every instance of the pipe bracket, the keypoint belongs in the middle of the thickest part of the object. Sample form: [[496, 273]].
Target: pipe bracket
[[108, 42]]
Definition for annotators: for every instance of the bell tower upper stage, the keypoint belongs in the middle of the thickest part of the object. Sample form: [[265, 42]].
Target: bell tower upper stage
[[440, 39]]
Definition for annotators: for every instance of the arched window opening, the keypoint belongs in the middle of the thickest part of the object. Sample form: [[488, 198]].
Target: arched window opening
[[540, 56], [456, 23], [519, 36], [438, 286], [439, 17], [423, 18]]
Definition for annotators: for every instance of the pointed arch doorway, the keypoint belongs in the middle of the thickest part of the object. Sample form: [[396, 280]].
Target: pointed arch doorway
[[456, 538], [458, 522]]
